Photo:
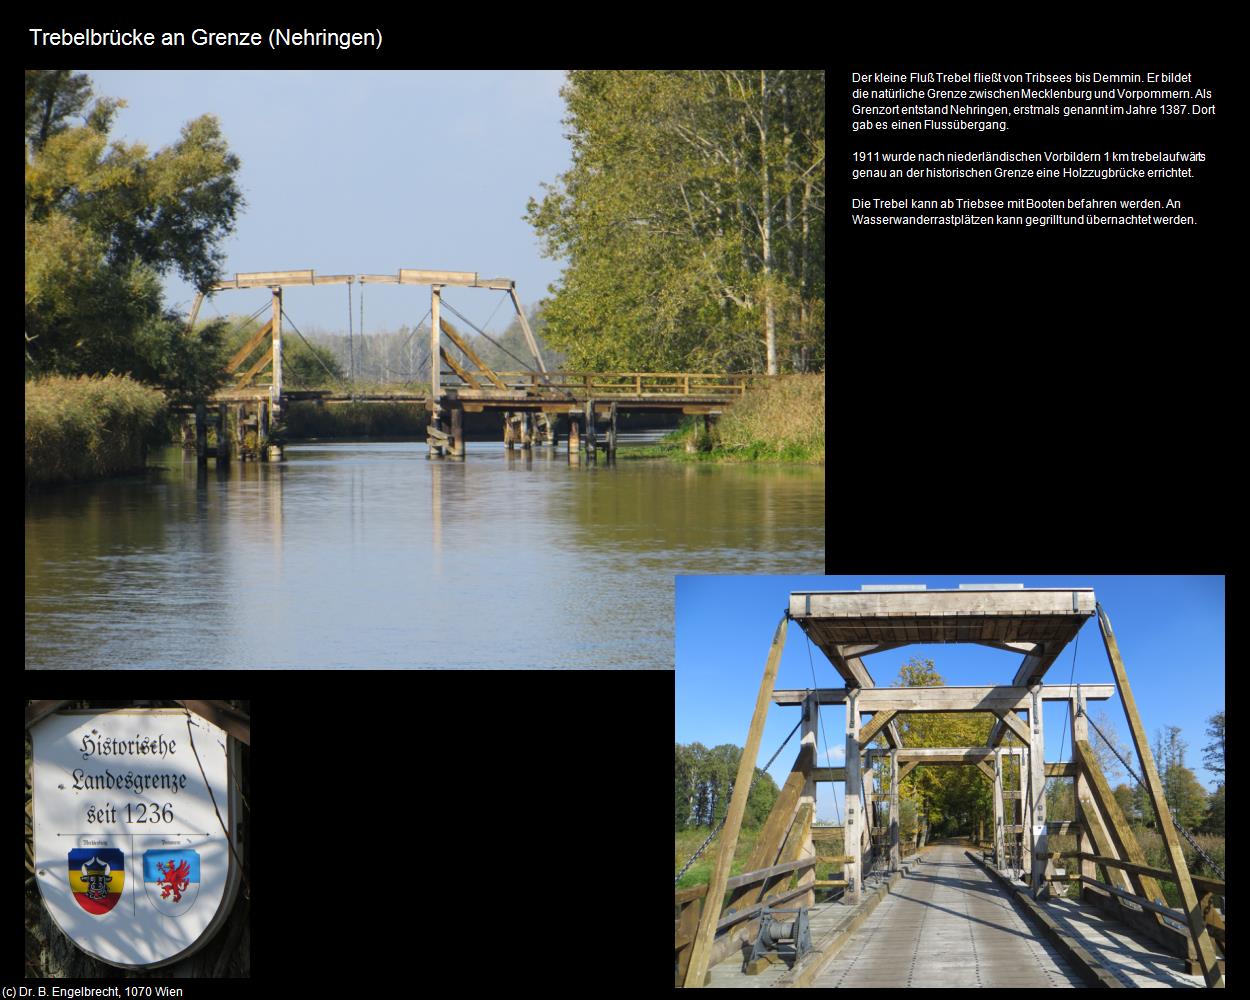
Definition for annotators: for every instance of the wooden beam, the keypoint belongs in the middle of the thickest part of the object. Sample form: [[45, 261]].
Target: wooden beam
[[463, 374], [879, 721], [1011, 647], [472, 356], [978, 698], [1014, 722], [708, 920], [905, 769], [261, 364], [966, 755], [1163, 816], [525, 329], [795, 696], [1068, 769], [253, 342], [1203, 885], [1121, 841], [38, 710], [224, 716], [868, 648], [828, 774]]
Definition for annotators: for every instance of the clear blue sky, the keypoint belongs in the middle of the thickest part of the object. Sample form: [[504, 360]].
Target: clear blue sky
[[367, 172], [1170, 631]]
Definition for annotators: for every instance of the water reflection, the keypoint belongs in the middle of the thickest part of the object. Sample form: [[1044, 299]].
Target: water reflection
[[371, 555]]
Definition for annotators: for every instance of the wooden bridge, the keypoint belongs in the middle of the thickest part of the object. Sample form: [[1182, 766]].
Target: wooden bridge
[[529, 399], [948, 917]]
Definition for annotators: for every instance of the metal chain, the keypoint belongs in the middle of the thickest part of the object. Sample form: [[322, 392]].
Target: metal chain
[[694, 857], [1184, 833]]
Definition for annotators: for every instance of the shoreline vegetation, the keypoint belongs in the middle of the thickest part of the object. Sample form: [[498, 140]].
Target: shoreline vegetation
[[778, 421], [92, 427], [89, 427]]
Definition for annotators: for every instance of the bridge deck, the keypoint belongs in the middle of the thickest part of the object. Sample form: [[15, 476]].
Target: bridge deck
[[948, 925]]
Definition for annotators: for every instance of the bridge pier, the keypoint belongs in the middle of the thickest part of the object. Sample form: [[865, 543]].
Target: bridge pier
[[457, 432], [201, 434], [223, 435], [590, 430], [612, 432], [575, 444]]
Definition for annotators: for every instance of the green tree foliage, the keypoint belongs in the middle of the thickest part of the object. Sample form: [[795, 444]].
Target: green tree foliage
[[1213, 752], [953, 798], [1127, 802], [704, 784], [692, 220], [103, 222], [52, 96], [1213, 822]]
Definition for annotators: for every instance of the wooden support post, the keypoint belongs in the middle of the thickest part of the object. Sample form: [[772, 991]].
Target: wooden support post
[[854, 816], [275, 391], [1000, 857], [1037, 777], [262, 429], [509, 434], [201, 434], [527, 430], [868, 819], [701, 953], [457, 431], [223, 435], [811, 720], [612, 439], [239, 427], [894, 860], [575, 444], [436, 370], [590, 429], [1163, 816], [1080, 785]]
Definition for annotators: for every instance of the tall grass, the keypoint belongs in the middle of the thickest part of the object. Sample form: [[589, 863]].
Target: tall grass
[[88, 427], [778, 419]]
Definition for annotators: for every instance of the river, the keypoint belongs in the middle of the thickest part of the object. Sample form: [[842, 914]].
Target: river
[[365, 554]]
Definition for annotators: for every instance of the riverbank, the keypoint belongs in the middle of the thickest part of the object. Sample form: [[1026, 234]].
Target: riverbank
[[89, 427], [781, 420]]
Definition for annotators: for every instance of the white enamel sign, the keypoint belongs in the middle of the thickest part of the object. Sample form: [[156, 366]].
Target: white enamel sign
[[130, 856]]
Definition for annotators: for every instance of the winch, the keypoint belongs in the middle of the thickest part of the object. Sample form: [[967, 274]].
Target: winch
[[783, 938]]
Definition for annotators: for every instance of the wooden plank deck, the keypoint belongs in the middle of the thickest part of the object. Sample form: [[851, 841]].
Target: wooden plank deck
[[947, 925], [1127, 955]]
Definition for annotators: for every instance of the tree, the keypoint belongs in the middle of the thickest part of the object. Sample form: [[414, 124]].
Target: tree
[[1213, 822], [52, 95], [1213, 752], [955, 798], [103, 222], [1127, 803], [1185, 796], [691, 219]]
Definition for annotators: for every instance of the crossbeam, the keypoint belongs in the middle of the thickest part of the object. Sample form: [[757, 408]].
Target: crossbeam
[[416, 276], [1018, 697], [268, 279]]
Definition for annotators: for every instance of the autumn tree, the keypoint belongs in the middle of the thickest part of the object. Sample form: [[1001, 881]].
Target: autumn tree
[[104, 221]]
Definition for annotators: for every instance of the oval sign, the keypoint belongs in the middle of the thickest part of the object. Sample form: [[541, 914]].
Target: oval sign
[[130, 857]]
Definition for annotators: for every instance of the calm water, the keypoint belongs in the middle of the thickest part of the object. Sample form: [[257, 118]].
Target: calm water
[[366, 554]]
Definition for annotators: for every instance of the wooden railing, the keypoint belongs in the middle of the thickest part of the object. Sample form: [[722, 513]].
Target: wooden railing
[[597, 384], [1207, 889], [689, 903]]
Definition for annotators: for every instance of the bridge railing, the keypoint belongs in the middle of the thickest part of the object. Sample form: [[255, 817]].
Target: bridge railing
[[597, 384], [689, 902]]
